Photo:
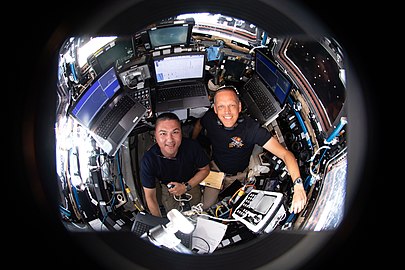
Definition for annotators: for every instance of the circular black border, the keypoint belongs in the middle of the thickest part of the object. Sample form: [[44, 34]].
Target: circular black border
[[284, 251]]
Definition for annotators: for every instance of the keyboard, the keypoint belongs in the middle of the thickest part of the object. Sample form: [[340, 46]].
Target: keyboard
[[140, 228], [261, 98], [114, 116], [179, 92]]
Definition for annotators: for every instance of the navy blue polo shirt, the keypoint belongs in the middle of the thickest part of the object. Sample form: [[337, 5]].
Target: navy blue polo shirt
[[231, 149], [154, 167]]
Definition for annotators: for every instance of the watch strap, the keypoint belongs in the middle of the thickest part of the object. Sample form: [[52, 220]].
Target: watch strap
[[298, 181], [188, 186]]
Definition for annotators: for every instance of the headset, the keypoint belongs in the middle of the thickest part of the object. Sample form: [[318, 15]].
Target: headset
[[241, 118], [231, 87]]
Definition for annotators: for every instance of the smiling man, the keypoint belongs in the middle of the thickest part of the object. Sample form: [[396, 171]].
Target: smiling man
[[233, 136], [173, 161]]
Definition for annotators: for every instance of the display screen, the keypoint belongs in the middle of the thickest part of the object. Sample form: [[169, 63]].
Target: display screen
[[176, 34], [265, 204], [234, 69], [92, 100], [118, 50], [179, 67], [275, 80]]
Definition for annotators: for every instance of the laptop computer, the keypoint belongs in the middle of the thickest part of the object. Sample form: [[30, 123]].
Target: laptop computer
[[266, 92], [144, 222], [107, 111], [180, 81]]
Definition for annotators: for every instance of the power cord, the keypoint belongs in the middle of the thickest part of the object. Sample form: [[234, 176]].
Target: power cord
[[207, 251], [180, 199], [198, 210], [183, 201], [217, 218]]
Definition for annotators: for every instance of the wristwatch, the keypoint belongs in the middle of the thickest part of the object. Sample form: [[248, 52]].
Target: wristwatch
[[298, 181], [188, 186]]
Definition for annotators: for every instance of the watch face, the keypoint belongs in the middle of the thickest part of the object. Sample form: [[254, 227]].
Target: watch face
[[298, 181], [188, 186]]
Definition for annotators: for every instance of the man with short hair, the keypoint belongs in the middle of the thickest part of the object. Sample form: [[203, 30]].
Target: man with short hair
[[233, 137], [178, 162]]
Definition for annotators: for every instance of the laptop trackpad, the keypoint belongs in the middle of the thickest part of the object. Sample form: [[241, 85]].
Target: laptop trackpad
[[174, 104], [117, 134]]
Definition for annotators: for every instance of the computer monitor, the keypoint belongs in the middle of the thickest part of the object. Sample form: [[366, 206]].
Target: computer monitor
[[96, 95], [120, 49], [275, 79], [173, 34], [176, 67], [234, 68]]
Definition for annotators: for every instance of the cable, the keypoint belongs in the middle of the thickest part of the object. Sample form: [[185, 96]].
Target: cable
[[179, 199], [217, 209], [239, 193], [217, 218], [281, 218], [120, 172], [230, 212], [208, 245], [197, 208], [112, 201], [308, 182], [342, 123], [257, 47], [300, 121], [288, 224], [79, 227], [315, 175]]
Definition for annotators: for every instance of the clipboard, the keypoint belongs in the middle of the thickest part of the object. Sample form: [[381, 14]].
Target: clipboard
[[214, 179]]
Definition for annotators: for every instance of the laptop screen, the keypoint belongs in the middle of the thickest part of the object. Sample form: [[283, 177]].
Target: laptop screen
[[179, 67], [176, 34], [92, 100], [275, 80]]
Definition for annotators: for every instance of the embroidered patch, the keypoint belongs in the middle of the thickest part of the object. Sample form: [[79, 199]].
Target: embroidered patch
[[236, 142]]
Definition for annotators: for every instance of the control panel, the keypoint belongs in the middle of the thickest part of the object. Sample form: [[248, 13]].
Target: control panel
[[143, 96], [134, 75], [260, 210]]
